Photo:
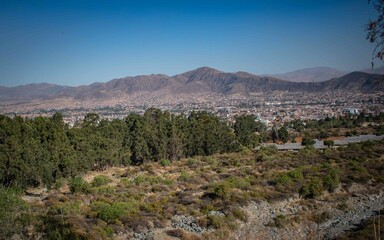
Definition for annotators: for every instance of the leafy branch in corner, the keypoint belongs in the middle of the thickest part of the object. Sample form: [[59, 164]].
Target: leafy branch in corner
[[375, 30]]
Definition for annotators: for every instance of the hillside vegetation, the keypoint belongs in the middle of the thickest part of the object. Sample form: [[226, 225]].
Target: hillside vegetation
[[160, 175]]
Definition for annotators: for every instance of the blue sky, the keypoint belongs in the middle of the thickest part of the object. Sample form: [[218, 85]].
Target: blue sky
[[79, 42]]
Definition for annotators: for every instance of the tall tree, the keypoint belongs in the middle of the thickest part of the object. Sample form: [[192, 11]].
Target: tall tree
[[246, 128]]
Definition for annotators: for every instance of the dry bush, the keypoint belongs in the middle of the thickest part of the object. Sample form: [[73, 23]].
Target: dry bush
[[135, 223], [175, 233]]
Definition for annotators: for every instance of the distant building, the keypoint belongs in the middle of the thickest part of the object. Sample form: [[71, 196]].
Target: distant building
[[353, 111]]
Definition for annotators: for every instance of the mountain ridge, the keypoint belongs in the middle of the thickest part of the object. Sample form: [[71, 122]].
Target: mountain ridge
[[202, 80]]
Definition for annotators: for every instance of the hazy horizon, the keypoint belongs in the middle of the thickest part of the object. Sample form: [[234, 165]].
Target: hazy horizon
[[107, 80], [80, 42]]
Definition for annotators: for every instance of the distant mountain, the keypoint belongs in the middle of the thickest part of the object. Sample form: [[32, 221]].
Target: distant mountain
[[203, 80], [118, 87], [316, 74], [356, 81], [30, 91]]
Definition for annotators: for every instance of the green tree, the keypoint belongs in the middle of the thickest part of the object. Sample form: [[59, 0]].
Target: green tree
[[246, 128], [329, 143], [307, 141], [14, 216], [283, 134]]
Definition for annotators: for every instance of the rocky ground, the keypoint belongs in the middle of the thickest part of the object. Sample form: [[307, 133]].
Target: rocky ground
[[262, 221], [289, 219]]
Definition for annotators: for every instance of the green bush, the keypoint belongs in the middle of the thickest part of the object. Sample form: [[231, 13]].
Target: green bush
[[312, 189], [221, 189], [184, 176], [103, 190], [13, 214], [78, 184], [100, 181], [111, 212], [165, 162], [240, 183], [58, 184], [307, 141], [269, 150], [331, 180], [329, 143], [288, 177], [283, 179], [67, 208], [296, 174], [191, 162]]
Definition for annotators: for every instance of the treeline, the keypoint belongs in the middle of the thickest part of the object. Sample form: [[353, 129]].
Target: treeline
[[330, 126], [40, 150]]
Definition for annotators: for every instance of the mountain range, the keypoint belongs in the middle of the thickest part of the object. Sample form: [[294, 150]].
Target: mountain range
[[319, 74], [316, 74], [198, 81]]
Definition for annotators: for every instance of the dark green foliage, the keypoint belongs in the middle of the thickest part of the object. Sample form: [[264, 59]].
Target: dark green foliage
[[221, 189], [329, 143], [165, 162], [331, 180], [283, 134], [39, 151], [100, 181], [246, 128], [112, 212], [14, 216], [312, 189], [78, 185], [307, 141]]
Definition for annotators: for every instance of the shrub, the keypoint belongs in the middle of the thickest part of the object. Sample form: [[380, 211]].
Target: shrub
[[184, 176], [13, 214], [307, 141], [100, 181], [165, 162], [59, 184], [216, 221], [175, 233], [280, 220], [331, 180], [283, 179], [329, 143], [212, 161], [103, 190], [312, 189], [240, 214], [111, 212], [296, 174], [240, 183], [191, 162], [221, 189], [269, 150], [78, 184], [126, 182], [68, 208]]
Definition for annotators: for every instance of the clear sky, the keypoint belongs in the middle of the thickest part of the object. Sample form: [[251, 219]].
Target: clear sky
[[79, 42]]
